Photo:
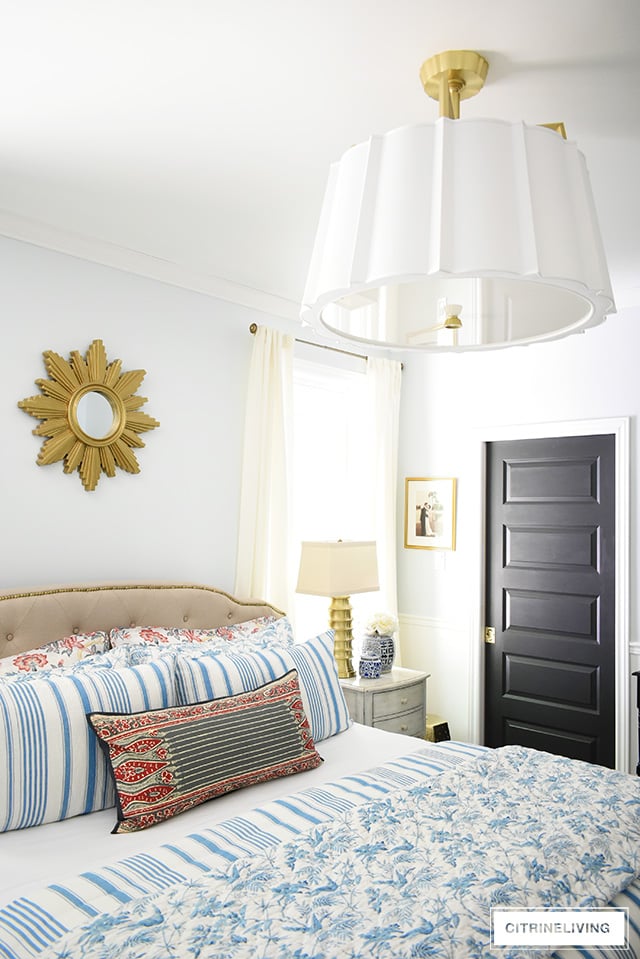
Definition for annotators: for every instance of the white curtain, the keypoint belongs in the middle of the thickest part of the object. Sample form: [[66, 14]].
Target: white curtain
[[384, 382], [264, 555]]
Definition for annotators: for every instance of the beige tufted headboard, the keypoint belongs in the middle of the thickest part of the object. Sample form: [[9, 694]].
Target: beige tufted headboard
[[34, 617]]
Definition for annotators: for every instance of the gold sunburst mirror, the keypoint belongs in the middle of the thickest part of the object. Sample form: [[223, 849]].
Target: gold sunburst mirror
[[91, 414]]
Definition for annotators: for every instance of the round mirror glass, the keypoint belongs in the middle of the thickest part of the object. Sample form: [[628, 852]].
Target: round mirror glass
[[95, 415]]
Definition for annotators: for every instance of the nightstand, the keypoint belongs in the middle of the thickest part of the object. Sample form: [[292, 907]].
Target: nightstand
[[396, 702]]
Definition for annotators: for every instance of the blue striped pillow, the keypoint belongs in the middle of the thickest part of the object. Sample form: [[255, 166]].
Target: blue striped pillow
[[51, 760], [206, 676]]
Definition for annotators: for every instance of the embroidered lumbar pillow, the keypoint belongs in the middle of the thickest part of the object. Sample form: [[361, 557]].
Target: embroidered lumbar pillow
[[165, 761]]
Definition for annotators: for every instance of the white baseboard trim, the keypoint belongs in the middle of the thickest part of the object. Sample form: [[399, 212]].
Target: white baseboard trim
[[436, 646]]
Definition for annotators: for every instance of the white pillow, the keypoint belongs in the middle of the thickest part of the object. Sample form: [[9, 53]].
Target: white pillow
[[203, 676]]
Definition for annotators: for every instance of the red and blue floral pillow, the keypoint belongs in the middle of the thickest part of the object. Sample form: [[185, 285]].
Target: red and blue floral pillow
[[56, 655]]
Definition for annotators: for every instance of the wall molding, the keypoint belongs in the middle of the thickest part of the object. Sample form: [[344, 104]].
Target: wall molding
[[430, 622], [95, 250], [444, 640], [619, 427]]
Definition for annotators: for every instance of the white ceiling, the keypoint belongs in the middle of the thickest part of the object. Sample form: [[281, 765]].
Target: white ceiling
[[199, 132]]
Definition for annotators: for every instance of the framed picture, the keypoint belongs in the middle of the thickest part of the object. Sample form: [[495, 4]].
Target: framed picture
[[429, 513]]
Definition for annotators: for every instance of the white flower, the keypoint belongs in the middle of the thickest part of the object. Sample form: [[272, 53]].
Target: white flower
[[382, 624]]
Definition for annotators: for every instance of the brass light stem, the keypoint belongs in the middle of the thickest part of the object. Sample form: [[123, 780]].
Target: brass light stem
[[444, 97], [449, 97]]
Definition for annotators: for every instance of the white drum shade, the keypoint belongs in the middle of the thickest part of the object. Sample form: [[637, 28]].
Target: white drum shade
[[496, 216]]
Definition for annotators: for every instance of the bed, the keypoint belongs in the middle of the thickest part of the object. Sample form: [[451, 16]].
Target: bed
[[292, 832]]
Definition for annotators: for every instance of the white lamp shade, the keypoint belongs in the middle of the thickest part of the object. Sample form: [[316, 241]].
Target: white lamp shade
[[496, 216], [338, 568]]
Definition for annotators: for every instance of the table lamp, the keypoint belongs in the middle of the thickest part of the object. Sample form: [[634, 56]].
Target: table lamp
[[339, 569]]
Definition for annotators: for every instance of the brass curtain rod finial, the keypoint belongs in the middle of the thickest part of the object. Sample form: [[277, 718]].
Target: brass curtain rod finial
[[253, 329]]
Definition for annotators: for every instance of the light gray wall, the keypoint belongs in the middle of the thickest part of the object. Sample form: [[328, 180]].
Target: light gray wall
[[177, 518]]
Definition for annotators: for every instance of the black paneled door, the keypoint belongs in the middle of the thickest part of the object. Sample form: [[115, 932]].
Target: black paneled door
[[550, 675]]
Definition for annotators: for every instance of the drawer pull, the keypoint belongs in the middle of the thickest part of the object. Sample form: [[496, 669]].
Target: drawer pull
[[403, 702], [404, 728]]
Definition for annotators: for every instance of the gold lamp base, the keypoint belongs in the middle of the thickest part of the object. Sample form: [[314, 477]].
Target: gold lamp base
[[340, 622]]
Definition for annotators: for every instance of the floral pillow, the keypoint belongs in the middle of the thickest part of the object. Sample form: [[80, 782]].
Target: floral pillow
[[263, 630], [56, 655], [160, 642], [161, 635], [121, 658]]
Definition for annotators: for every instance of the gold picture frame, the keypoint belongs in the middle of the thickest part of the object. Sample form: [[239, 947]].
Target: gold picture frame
[[429, 512]]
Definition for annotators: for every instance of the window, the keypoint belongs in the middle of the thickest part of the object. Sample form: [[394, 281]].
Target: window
[[333, 494]]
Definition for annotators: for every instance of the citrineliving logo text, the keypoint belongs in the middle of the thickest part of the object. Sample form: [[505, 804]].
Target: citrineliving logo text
[[606, 927]]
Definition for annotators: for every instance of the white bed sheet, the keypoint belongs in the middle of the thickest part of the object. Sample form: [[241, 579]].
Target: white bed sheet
[[31, 858]]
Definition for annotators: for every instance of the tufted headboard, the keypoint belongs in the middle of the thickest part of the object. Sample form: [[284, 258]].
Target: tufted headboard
[[34, 617]]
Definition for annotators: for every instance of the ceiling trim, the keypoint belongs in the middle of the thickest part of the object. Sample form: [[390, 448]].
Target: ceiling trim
[[18, 227]]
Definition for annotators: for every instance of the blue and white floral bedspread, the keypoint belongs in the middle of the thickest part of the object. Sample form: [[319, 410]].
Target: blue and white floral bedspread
[[409, 875]]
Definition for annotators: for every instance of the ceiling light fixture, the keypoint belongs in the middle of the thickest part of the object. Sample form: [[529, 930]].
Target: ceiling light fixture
[[496, 216]]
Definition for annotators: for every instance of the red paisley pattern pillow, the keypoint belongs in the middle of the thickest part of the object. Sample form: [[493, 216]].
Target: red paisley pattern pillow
[[166, 761]]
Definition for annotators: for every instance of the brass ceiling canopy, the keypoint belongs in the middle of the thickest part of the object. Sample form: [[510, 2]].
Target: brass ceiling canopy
[[453, 76]]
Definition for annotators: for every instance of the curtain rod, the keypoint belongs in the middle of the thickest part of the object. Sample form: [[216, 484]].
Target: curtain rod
[[253, 328], [321, 346]]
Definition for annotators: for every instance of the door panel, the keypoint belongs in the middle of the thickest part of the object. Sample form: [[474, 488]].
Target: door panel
[[550, 677], [568, 684]]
